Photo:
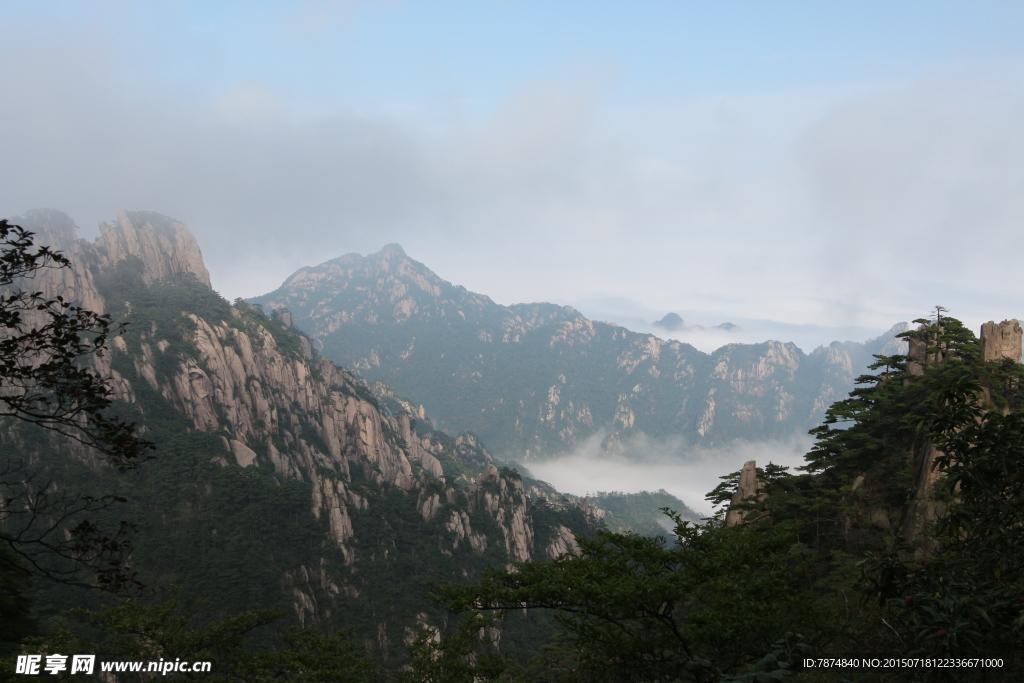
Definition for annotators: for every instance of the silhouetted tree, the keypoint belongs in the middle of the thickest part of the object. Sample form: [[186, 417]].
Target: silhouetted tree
[[45, 380]]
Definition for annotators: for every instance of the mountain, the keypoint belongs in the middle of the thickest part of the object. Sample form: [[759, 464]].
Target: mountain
[[535, 380], [280, 480]]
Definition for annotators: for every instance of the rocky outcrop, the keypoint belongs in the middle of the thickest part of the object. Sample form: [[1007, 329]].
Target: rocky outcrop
[[746, 492], [504, 500], [460, 525], [161, 247], [164, 246], [923, 509], [418, 448], [563, 378], [58, 231], [562, 542], [1001, 341]]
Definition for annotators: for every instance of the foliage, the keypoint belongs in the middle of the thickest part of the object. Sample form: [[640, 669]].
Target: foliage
[[166, 631], [311, 656], [953, 587], [45, 533], [466, 654], [864, 465], [16, 621], [640, 512], [158, 308], [634, 609], [966, 599]]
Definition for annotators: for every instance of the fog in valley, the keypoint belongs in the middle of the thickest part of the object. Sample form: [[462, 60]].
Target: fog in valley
[[645, 464]]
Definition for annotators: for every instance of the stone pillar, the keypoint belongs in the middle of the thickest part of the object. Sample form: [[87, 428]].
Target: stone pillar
[[1001, 341], [917, 350], [749, 486]]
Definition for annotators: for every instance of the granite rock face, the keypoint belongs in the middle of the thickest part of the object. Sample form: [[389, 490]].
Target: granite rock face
[[162, 247], [504, 500], [1001, 341], [746, 491]]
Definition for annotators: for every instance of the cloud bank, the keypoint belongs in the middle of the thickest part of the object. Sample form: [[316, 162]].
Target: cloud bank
[[846, 207], [650, 465]]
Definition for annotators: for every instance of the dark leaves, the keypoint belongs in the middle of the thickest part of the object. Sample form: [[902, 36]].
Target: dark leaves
[[46, 346]]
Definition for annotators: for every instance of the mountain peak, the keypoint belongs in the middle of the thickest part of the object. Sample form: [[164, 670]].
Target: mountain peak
[[165, 246], [391, 250], [540, 378], [671, 322]]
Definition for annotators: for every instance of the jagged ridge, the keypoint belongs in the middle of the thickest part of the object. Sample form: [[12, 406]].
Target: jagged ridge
[[539, 379]]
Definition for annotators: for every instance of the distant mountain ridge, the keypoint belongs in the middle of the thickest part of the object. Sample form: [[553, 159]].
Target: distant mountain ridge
[[535, 380]]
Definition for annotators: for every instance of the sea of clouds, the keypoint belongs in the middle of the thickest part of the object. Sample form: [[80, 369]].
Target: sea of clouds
[[646, 464]]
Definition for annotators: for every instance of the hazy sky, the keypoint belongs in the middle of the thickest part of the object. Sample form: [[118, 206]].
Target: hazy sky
[[838, 165]]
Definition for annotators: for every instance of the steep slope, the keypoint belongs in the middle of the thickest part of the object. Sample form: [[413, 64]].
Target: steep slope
[[279, 479], [538, 379]]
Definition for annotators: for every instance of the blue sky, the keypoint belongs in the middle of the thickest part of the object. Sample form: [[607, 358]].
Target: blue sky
[[810, 169], [380, 54]]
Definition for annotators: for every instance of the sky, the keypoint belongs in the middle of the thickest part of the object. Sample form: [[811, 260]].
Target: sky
[[806, 170]]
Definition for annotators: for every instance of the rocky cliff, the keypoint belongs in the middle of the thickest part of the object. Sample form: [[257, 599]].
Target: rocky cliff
[[163, 247], [999, 341], [538, 379], [255, 402]]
